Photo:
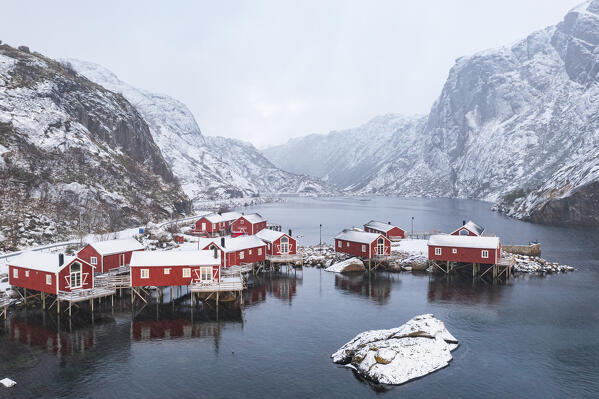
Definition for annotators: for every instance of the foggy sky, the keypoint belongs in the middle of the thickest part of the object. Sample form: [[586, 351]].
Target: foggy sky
[[265, 71]]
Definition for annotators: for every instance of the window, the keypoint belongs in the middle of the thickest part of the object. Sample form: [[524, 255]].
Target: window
[[363, 248], [241, 255], [15, 273], [380, 246], [241, 221], [213, 226], [186, 272], [167, 270], [26, 273], [454, 250], [144, 273], [75, 275], [259, 251], [347, 244], [93, 260], [250, 251], [339, 244], [48, 279], [206, 274], [437, 251], [463, 232], [484, 253]]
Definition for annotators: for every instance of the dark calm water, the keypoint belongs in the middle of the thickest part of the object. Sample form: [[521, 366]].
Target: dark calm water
[[531, 337]]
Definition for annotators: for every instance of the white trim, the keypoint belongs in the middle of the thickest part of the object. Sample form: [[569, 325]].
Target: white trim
[[167, 270], [48, 281], [144, 273], [484, 253], [206, 271], [186, 272], [93, 260], [438, 251]]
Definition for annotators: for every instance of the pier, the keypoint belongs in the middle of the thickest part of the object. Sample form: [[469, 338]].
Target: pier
[[500, 270]]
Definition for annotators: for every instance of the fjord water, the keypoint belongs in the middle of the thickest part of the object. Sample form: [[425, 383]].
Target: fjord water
[[529, 337]]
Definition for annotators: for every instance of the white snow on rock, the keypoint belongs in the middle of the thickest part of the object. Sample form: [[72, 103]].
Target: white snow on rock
[[415, 349], [346, 266], [7, 382]]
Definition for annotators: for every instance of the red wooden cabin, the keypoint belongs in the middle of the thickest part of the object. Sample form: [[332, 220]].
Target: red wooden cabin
[[362, 244], [239, 250], [248, 224], [110, 254], [50, 273], [278, 243], [215, 223], [387, 229], [469, 229], [172, 268], [464, 249]]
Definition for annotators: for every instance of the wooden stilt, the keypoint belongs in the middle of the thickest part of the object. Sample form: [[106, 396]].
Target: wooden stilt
[[57, 306], [43, 301], [25, 297]]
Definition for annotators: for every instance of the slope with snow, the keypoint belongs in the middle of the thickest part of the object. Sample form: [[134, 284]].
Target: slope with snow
[[208, 167]]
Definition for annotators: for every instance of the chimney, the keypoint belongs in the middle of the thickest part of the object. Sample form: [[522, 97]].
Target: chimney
[[60, 259], [388, 222], [289, 232], [243, 213], [222, 242], [463, 222], [215, 252]]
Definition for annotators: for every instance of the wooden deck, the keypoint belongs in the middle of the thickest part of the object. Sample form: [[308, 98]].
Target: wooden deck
[[227, 284], [284, 258], [236, 270], [114, 281], [85, 295], [5, 302]]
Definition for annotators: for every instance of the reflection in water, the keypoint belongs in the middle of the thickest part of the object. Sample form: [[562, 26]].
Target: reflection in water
[[373, 286], [280, 286], [457, 289]]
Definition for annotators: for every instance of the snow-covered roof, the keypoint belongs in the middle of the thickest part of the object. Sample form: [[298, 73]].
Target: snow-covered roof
[[253, 218], [237, 243], [357, 236], [110, 247], [174, 258], [222, 217], [380, 226], [447, 240], [42, 261], [269, 235], [473, 227]]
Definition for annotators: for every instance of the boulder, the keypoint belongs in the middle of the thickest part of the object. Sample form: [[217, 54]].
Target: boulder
[[415, 349], [347, 266]]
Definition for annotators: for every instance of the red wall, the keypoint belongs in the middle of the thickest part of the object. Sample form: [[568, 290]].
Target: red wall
[[87, 277], [35, 281], [355, 248], [233, 259], [175, 277], [457, 232], [464, 255], [105, 263], [274, 247], [242, 225], [394, 232]]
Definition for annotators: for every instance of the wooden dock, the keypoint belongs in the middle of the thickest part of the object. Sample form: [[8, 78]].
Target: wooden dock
[[73, 297], [501, 270], [284, 258]]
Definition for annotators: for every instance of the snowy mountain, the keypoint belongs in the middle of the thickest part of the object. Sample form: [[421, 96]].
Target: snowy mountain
[[207, 167], [515, 125], [73, 155]]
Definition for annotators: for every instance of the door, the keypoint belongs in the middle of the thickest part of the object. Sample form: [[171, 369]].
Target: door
[[75, 281], [122, 260], [203, 226], [284, 245], [380, 246]]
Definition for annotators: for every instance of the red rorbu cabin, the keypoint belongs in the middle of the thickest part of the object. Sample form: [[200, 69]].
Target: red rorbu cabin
[[239, 250], [362, 244], [110, 254], [278, 243], [464, 249], [215, 223], [172, 268], [469, 229], [248, 224], [387, 229], [50, 273]]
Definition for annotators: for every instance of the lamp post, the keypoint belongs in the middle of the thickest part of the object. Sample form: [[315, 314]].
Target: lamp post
[[412, 226], [320, 237]]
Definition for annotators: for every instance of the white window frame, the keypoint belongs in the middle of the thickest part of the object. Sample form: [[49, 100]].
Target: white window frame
[[186, 272], [250, 251], [26, 273], [144, 273], [48, 279], [347, 244], [167, 270], [484, 253], [259, 251], [454, 250], [363, 248], [205, 272], [241, 255], [15, 273], [438, 251], [93, 260], [339, 244]]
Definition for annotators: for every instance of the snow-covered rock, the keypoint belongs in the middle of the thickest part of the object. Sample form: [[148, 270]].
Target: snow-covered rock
[[347, 266], [7, 382], [415, 349]]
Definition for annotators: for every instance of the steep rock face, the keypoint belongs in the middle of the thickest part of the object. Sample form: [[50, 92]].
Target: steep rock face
[[208, 167], [70, 147], [515, 125]]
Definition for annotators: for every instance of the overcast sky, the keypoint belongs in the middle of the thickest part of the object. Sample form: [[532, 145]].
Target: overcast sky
[[265, 71]]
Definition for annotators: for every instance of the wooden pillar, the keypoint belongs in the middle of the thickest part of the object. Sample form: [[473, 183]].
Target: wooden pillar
[[25, 297], [132, 299], [70, 307], [57, 305], [91, 302], [172, 293], [112, 301], [43, 301]]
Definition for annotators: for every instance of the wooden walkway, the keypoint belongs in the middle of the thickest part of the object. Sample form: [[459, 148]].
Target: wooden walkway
[[227, 284]]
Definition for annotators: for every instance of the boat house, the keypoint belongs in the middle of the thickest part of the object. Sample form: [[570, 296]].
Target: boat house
[[239, 250], [387, 229], [248, 224], [362, 244], [216, 224], [110, 254], [469, 229], [464, 249]]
